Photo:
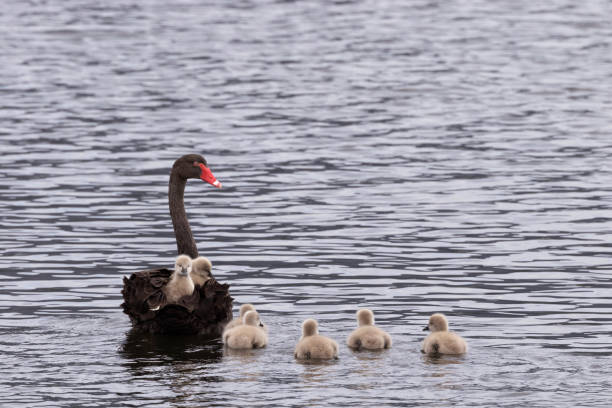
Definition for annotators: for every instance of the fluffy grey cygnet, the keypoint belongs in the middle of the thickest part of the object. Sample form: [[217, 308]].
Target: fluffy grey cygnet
[[180, 283], [201, 270], [368, 336], [240, 320], [314, 346], [249, 335], [442, 341]]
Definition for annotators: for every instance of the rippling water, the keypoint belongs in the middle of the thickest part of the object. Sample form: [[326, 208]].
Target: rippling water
[[411, 157]]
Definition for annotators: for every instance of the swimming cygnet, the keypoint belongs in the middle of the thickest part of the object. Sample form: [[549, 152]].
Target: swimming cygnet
[[368, 336], [201, 268], [180, 283], [314, 346], [240, 319], [441, 341], [248, 335]]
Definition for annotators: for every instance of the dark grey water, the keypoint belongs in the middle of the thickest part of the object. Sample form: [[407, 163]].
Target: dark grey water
[[411, 157]]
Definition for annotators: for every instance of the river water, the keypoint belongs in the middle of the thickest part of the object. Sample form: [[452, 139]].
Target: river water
[[407, 156]]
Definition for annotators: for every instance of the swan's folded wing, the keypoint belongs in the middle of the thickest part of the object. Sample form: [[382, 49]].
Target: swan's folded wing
[[176, 319], [215, 304], [157, 300], [142, 292], [190, 302], [206, 311]]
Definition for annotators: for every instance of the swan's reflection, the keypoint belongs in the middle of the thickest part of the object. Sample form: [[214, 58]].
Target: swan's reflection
[[178, 366], [146, 353]]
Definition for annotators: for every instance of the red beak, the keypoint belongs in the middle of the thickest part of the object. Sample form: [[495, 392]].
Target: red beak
[[208, 177]]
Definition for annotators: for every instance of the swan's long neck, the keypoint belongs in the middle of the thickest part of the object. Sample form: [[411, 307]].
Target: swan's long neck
[[184, 238]]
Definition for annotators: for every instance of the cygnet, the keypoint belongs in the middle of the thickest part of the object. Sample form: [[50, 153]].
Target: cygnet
[[201, 270], [240, 320], [368, 336], [180, 283], [441, 341], [314, 346], [249, 335]]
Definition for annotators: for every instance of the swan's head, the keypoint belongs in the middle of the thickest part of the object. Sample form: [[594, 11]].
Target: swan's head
[[365, 317], [310, 327], [195, 166], [251, 318], [182, 266], [437, 322], [202, 267]]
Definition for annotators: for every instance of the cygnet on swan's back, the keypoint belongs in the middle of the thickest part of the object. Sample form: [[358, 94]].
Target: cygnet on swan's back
[[314, 346], [442, 341], [368, 336], [180, 283], [201, 270], [248, 335]]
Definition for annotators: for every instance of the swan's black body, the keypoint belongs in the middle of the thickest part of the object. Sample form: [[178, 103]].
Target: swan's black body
[[208, 309]]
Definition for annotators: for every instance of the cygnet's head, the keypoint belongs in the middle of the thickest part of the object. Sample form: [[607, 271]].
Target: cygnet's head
[[246, 308], [310, 327], [365, 317], [437, 322], [182, 266], [251, 318], [202, 267]]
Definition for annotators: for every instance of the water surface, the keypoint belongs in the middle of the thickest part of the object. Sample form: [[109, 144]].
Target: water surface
[[410, 157]]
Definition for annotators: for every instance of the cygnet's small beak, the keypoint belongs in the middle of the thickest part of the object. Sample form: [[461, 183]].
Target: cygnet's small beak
[[261, 324], [184, 270], [426, 328]]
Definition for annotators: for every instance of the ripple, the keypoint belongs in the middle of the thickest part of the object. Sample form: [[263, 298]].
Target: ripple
[[407, 157]]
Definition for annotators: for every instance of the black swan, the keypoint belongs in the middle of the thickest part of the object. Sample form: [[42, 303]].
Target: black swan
[[209, 308]]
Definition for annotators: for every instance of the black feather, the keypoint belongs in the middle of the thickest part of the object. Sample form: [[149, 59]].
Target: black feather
[[206, 311]]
